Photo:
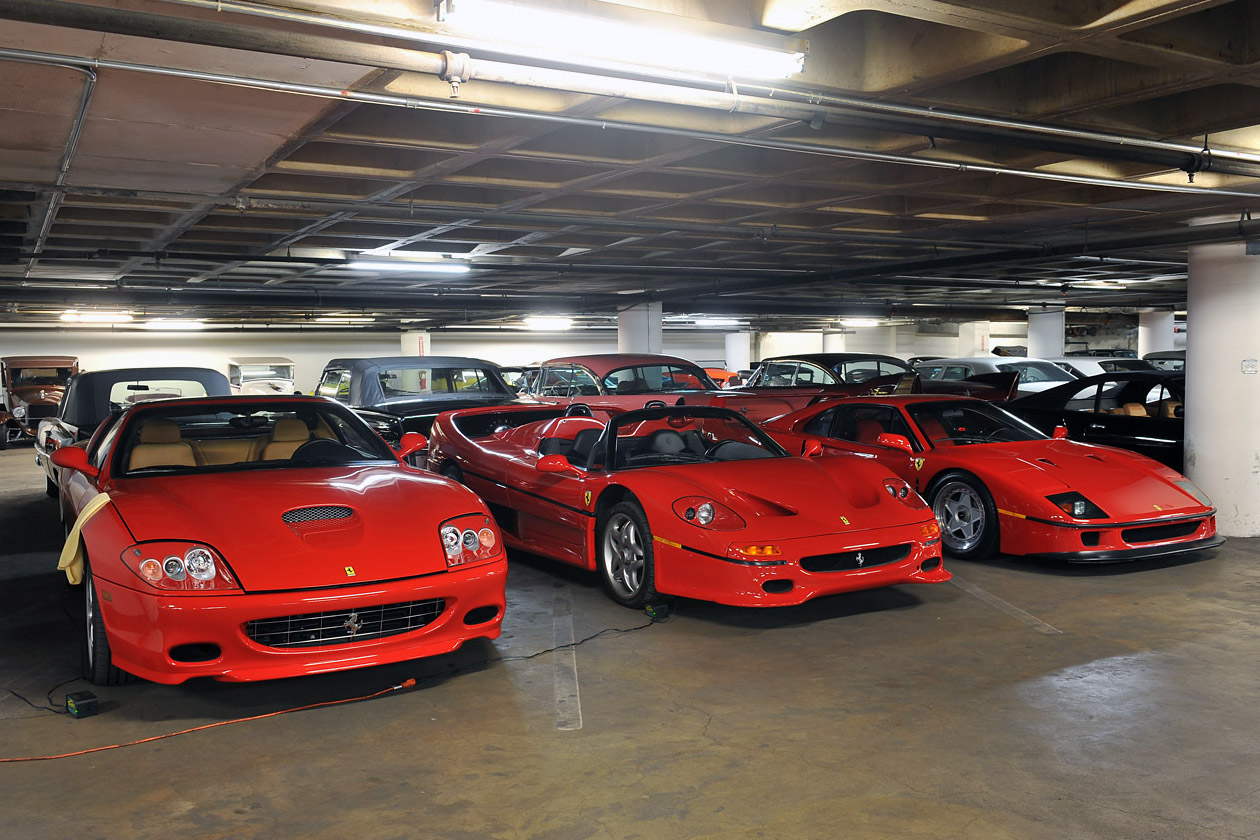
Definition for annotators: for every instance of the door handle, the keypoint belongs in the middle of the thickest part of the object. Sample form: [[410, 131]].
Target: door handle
[[1096, 426]]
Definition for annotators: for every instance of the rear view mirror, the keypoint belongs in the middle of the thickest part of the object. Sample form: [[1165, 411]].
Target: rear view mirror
[[411, 442], [811, 448], [895, 442], [554, 464], [74, 458], [1060, 433]]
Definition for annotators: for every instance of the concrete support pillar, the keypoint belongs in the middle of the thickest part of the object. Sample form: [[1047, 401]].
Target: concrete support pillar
[[973, 339], [1222, 383], [1155, 330], [739, 351], [833, 342], [415, 344], [1045, 333], [639, 329]]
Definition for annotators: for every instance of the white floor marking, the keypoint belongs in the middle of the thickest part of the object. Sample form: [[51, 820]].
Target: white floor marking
[[564, 662], [1010, 609]]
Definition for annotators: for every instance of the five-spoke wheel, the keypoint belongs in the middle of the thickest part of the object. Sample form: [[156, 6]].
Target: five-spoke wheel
[[968, 517], [625, 555]]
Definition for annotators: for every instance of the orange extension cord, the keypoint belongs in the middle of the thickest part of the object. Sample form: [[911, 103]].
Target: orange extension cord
[[404, 684]]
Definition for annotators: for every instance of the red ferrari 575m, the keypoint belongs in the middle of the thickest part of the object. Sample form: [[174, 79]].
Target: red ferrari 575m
[[691, 501], [997, 483], [249, 538]]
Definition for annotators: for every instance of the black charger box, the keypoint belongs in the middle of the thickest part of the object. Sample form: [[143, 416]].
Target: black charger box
[[81, 704]]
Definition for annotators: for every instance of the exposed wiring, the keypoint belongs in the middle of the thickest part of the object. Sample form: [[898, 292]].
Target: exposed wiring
[[408, 683], [52, 709]]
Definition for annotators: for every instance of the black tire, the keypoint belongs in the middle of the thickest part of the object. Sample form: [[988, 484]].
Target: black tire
[[4, 437], [627, 565], [50, 489], [98, 662], [453, 472], [968, 518]]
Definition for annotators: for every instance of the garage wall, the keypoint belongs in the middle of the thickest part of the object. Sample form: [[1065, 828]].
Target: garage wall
[[104, 349]]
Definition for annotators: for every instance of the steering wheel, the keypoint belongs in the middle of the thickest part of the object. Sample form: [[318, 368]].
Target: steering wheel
[[712, 451], [321, 449], [578, 410]]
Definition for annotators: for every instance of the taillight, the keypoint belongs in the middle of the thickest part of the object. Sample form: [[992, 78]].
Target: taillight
[[179, 567], [469, 539]]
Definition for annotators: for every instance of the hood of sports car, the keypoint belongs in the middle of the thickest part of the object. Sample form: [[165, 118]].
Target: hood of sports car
[[1125, 485], [799, 496], [304, 527]]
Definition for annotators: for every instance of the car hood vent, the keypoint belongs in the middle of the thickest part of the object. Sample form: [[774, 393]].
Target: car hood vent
[[315, 514]]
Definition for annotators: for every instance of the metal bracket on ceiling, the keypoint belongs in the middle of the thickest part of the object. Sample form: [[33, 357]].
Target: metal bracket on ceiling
[[456, 69]]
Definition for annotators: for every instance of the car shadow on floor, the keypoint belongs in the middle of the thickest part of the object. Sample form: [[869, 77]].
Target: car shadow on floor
[[1060, 568]]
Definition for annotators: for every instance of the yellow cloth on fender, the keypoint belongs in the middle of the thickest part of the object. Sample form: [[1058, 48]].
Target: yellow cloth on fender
[[73, 553]]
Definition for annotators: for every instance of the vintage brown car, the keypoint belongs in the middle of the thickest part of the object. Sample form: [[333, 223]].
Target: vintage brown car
[[30, 390]]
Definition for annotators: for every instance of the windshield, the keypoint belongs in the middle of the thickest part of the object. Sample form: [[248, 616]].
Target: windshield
[[651, 379], [220, 437], [1036, 371], [959, 423], [39, 376], [250, 373], [662, 436], [123, 394], [426, 382]]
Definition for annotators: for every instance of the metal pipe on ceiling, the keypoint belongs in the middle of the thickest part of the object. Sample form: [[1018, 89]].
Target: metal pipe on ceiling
[[922, 120], [903, 119]]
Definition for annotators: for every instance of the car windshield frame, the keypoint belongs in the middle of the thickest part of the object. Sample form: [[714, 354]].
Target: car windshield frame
[[649, 373], [617, 456], [1013, 429], [337, 436]]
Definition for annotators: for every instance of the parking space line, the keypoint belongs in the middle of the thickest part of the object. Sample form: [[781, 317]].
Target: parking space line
[[1010, 609], [564, 661]]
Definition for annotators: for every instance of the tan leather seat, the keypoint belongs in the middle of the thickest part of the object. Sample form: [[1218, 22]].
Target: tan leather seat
[[1131, 410], [160, 446], [288, 434]]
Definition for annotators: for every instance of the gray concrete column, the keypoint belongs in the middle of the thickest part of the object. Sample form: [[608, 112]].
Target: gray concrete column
[[1222, 383], [739, 351], [639, 329], [415, 344], [1045, 333], [1155, 330], [973, 339]]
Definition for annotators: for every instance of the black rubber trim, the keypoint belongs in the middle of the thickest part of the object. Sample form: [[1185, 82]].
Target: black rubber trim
[[1103, 524], [488, 480], [1130, 553]]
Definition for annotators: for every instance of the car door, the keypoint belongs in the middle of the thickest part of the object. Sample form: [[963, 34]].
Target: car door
[[1139, 416], [551, 508], [857, 427]]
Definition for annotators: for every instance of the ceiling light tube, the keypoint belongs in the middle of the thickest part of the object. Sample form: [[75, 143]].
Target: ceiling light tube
[[405, 265], [73, 316], [174, 324], [538, 322]]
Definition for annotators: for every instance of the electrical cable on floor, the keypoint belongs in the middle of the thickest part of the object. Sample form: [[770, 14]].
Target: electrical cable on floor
[[52, 709], [408, 683]]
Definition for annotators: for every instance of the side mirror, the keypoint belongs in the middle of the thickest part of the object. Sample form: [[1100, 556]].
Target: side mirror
[[411, 442], [811, 448], [74, 458], [1060, 433], [554, 464], [895, 442]]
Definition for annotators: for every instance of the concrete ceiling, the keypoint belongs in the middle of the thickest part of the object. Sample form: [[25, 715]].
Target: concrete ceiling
[[935, 160]]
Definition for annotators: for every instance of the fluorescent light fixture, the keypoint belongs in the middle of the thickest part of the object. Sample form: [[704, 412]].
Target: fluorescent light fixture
[[859, 322], [414, 266], [619, 38], [344, 319], [548, 323], [174, 324], [716, 322], [74, 316]]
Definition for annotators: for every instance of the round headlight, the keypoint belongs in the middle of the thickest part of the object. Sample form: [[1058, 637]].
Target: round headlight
[[173, 567], [450, 539], [470, 541], [704, 513], [200, 564], [19, 412]]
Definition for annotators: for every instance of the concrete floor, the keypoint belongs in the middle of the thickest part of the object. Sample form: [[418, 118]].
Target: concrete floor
[[1022, 701]]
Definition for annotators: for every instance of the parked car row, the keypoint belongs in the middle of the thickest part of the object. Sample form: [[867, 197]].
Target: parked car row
[[635, 467]]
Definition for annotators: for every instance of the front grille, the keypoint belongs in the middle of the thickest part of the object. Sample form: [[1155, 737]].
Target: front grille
[[848, 561], [41, 411], [343, 627], [1159, 533], [312, 514]]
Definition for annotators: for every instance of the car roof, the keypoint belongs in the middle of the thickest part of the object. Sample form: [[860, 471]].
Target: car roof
[[259, 360], [364, 364], [39, 361], [832, 358], [602, 363], [992, 360]]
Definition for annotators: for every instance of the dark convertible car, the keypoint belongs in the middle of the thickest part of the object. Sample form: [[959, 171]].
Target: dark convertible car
[[397, 394], [1143, 411]]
